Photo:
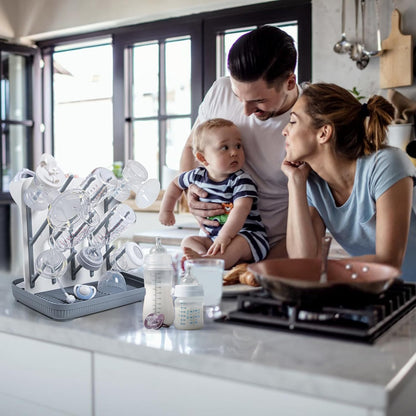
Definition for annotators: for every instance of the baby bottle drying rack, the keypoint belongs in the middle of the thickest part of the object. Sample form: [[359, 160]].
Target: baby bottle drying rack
[[46, 295]]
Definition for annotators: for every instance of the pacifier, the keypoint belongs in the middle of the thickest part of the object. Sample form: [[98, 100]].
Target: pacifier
[[84, 292]]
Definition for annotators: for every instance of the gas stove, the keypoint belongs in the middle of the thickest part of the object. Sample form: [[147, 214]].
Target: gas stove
[[358, 321]]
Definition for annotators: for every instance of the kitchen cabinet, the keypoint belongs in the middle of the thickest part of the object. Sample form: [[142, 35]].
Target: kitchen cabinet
[[41, 378], [151, 389]]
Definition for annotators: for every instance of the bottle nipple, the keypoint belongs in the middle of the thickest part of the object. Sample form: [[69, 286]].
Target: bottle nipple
[[158, 247], [188, 279]]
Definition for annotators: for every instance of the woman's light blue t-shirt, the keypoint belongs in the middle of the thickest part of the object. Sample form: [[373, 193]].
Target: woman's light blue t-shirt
[[353, 224]]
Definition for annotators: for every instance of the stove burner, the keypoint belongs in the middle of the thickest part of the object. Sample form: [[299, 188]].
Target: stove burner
[[355, 321]]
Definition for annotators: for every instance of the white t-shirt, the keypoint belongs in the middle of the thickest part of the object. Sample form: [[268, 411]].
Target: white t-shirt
[[264, 147]]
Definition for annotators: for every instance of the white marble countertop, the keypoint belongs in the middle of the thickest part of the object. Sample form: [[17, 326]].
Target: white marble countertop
[[360, 374]]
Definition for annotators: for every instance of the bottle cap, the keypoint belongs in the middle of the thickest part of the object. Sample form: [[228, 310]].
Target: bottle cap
[[90, 258], [186, 291]]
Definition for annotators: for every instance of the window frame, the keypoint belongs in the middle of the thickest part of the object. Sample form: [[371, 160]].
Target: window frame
[[30, 98], [203, 29]]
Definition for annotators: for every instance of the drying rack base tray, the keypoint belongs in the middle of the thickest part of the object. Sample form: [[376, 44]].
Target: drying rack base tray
[[52, 303]]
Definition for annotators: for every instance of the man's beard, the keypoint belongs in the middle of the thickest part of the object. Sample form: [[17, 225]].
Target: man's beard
[[265, 115]]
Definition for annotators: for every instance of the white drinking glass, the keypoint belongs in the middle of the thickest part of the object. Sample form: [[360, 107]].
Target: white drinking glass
[[209, 273]]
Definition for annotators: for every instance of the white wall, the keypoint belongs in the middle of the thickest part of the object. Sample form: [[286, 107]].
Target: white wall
[[25, 20], [326, 31]]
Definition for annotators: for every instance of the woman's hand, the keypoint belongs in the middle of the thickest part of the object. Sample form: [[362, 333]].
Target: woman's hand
[[297, 171], [202, 210]]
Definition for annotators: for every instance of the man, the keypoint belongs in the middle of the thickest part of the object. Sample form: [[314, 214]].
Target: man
[[257, 97]]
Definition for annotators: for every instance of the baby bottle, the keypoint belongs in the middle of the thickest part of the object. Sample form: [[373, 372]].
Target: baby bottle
[[158, 279], [189, 299]]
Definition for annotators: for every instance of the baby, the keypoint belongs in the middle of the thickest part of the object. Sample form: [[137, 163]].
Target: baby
[[240, 235]]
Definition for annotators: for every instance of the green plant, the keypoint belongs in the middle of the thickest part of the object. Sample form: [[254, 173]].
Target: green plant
[[356, 93]]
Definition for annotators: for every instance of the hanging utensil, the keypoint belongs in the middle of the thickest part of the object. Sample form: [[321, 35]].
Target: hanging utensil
[[379, 50], [356, 47], [326, 243], [343, 45], [364, 59]]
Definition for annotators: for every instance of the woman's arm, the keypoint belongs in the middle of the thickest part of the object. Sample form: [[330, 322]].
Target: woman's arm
[[235, 221], [304, 225], [393, 210]]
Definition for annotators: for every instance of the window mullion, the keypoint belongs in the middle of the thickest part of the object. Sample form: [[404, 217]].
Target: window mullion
[[162, 106], [128, 101]]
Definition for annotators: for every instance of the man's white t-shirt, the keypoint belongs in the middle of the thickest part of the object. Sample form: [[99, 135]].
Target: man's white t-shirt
[[264, 147]]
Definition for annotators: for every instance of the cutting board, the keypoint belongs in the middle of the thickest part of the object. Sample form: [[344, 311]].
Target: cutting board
[[396, 61]]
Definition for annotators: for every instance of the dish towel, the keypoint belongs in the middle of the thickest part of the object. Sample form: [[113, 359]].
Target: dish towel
[[404, 108]]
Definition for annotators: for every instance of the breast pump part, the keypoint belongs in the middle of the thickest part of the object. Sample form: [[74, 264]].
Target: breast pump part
[[52, 264], [45, 184], [147, 193], [112, 282], [134, 174], [158, 280], [126, 258]]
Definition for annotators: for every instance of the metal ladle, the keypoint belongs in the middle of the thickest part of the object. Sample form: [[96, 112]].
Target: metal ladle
[[356, 47], [326, 244], [364, 58], [343, 45]]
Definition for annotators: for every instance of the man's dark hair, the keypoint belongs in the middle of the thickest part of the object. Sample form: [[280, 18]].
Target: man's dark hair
[[266, 53]]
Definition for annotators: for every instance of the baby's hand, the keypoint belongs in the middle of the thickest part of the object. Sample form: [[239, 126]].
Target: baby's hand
[[219, 245], [167, 218]]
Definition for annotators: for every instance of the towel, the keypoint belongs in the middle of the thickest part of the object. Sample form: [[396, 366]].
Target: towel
[[404, 108]]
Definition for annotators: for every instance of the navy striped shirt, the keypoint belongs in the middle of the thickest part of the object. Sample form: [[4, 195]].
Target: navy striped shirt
[[237, 185]]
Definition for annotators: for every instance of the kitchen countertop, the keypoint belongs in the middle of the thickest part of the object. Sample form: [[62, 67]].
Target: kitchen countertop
[[354, 373]]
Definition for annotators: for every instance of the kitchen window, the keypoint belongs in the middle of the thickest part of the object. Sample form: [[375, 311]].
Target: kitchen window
[[82, 106], [226, 39], [160, 73], [160, 105]]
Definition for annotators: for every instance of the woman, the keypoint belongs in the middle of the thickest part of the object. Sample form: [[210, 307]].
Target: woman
[[342, 176]]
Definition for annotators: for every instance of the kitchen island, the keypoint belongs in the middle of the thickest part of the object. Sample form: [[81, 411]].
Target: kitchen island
[[109, 364]]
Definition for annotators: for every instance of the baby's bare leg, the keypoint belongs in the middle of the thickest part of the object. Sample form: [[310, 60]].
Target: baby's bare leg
[[238, 251], [197, 243]]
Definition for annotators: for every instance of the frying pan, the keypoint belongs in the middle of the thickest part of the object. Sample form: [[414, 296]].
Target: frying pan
[[349, 281]]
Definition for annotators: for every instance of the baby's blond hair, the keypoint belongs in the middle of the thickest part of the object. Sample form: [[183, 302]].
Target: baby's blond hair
[[200, 134]]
